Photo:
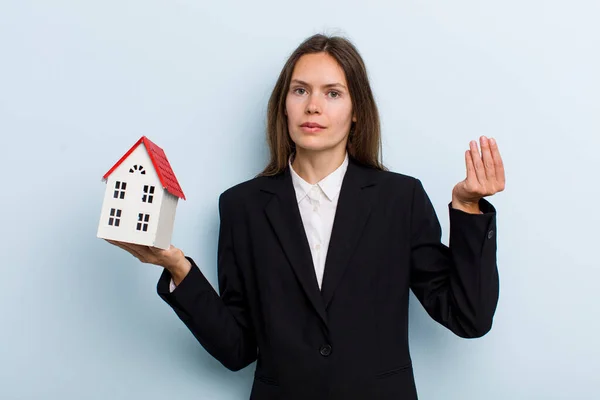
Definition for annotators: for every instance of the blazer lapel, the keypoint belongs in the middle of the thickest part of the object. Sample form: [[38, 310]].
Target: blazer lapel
[[352, 213], [284, 215]]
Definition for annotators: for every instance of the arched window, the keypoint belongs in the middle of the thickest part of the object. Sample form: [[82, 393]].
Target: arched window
[[137, 168]]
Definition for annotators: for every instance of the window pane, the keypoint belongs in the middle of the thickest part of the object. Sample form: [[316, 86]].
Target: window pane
[[151, 189], [117, 222], [140, 216], [123, 185], [145, 227], [110, 221], [112, 212], [146, 217], [118, 213], [143, 172], [122, 195], [139, 226], [116, 194], [150, 199], [145, 188], [117, 185], [144, 198]]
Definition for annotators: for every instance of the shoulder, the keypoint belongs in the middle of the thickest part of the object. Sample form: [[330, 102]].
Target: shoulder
[[397, 178], [391, 185], [389, 180], [244, 192]]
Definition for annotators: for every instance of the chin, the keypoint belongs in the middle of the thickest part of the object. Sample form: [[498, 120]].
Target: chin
[[313, 145], [316, 144]]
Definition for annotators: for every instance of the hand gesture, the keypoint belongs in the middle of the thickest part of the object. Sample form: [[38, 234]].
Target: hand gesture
[[172, 258], [485, 176]]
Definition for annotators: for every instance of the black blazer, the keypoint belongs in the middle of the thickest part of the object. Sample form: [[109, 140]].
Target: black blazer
[[350, 339]]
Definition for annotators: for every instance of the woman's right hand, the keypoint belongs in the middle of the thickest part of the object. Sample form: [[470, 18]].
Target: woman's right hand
[[172, 258]]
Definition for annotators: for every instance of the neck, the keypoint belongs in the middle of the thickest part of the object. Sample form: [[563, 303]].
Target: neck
[[313, 166]]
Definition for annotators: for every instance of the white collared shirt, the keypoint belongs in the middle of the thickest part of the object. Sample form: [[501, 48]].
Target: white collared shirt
[[317, 204]]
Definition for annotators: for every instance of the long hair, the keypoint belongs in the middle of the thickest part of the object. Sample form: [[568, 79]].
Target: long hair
[[364, 142]]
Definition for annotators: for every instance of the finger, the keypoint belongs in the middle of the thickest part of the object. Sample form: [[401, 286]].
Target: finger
[[471, 176], [116, 243], [124, 247], [134, 250], [498, 164], [141, 252], [139, 248], [158, 251], [488, 160], [479, 169]]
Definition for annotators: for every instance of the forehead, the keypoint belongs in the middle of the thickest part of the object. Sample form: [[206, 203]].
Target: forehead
[[319, 68]]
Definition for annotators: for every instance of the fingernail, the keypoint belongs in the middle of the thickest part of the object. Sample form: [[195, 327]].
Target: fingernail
[[492, 142]]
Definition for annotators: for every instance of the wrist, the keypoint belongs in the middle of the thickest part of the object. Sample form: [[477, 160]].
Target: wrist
[[179, 270], [471, 207]]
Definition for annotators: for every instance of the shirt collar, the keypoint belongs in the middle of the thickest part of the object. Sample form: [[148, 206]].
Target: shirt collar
[[330, 185]]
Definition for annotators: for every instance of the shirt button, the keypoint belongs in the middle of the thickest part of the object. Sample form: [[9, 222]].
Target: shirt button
[[325, 350], [490, 234]]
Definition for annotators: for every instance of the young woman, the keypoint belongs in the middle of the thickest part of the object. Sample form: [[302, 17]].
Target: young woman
[[318, 253]]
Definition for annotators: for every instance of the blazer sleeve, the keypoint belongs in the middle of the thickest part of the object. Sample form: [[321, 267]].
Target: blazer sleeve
[[221, 323], [457, 285]]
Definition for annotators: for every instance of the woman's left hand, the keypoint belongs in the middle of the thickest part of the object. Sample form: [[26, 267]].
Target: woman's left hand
[[485, 176]]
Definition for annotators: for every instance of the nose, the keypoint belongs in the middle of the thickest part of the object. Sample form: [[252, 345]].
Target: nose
[[313, 106]]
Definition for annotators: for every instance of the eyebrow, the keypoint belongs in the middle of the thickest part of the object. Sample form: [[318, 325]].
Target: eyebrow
[[298, 81]]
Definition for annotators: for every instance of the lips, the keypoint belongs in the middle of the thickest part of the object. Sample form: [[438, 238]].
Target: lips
[[311, 125]]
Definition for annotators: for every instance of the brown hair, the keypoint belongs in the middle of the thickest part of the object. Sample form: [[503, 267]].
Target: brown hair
[[364, 142]]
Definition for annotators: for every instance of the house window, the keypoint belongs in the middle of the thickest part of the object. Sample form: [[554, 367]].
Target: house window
[[142, 224], [120, 190], [115, 217], [148, 194], [137, 168]]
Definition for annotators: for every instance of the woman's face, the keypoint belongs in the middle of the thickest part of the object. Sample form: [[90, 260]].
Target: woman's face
[[318, 104]]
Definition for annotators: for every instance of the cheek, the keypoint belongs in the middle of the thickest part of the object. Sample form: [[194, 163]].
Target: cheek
[[293, 107], [342, 114]]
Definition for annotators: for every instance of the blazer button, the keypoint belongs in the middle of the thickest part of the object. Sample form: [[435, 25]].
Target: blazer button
[[325, 350], [490, 234]]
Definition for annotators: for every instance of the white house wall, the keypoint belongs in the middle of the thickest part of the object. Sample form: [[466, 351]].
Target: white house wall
[[167, 220], [131, 205]]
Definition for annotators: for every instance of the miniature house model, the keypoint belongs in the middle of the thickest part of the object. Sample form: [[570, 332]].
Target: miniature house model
[[141, 197]]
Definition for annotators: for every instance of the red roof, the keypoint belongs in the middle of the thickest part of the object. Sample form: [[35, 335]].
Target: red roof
[[161, 165]]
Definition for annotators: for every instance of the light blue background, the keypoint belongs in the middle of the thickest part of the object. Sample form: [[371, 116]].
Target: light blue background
[[81, 81]]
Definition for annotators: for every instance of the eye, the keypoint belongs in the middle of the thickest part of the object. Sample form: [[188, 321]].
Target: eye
[[299, 91], [334, 94]]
